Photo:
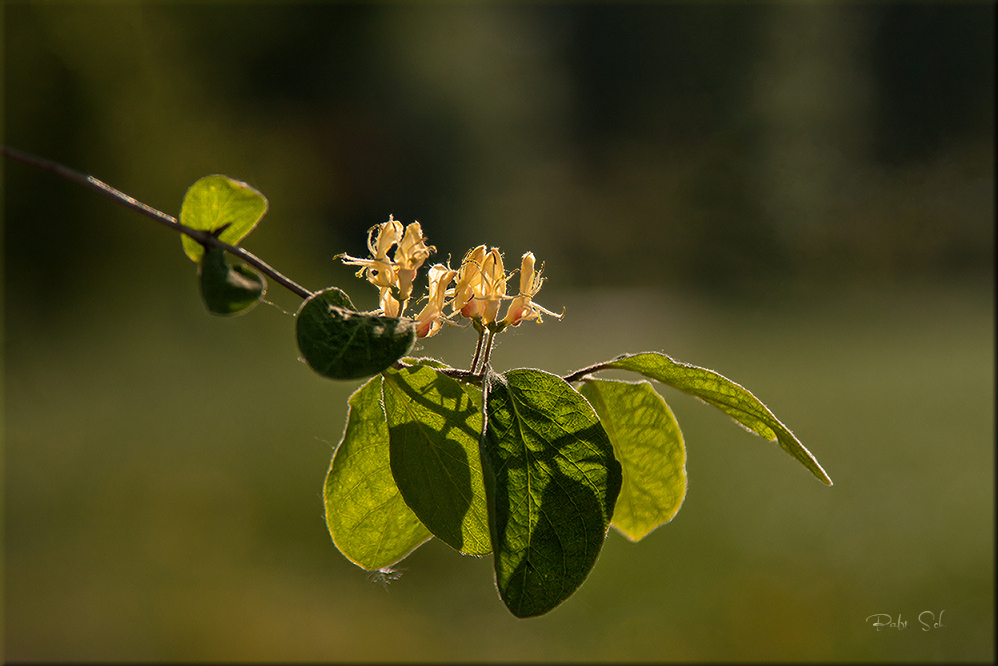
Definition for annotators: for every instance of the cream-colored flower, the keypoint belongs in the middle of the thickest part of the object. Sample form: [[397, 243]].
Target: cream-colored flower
[[389, 305], [522, 307], [431, 317], [380, 238], [410, 254]]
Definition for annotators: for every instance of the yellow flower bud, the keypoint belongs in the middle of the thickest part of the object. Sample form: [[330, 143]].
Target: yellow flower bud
[[493, 285], [469, 278]]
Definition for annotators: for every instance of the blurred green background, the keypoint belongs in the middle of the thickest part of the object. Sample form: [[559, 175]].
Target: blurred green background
[[800, 197]]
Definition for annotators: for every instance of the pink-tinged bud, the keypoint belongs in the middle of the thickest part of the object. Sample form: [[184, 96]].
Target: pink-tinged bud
[[472, 309], [518, 311], [523, 306]]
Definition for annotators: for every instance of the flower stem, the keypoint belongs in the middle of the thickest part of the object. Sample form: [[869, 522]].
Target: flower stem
[[478, 347], [489, 343], [203, 237]]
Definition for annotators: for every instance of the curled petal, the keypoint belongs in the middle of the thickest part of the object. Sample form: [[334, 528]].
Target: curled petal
[[381, 237], [377, 271], [403, 279], [412, 249]]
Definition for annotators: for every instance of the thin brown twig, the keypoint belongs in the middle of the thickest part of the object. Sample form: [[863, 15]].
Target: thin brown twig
[[203, 237]]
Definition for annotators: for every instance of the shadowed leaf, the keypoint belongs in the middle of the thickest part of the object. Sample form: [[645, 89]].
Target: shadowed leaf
[[434, 425], [229, 289], [339, 343], [552, 480]]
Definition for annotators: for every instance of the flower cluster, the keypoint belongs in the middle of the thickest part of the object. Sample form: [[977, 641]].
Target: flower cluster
[[479, 284], [393, 277]]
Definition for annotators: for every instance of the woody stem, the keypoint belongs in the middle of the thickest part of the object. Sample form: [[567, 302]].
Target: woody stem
[[205, 238]]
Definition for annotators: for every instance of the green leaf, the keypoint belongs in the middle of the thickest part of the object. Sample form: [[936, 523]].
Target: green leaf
[[721, 392], [338, 297], [366, 515], [552, 481], [216, 201], [649, 446], [434, 425], [229, 289], [339, 343]]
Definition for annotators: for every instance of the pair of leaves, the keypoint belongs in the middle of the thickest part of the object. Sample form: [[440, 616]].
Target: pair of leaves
[[538, 486], [228, 209], [408, 466], [223, 205], [649, 443]]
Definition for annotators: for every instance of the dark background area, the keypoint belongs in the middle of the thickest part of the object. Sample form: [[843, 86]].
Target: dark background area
[[741, 142], [801, 197]]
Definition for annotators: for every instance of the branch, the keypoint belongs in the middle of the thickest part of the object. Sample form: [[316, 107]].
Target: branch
[[463, 375], [203, 237], [579, 375]]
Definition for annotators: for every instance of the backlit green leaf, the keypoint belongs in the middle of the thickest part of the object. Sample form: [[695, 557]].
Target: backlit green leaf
[[649, 446], [216, 201], [366, 515], [229, 289], [553, 480], [722, 393], [339, 343], [434, 425]]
